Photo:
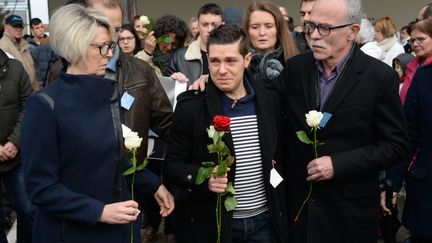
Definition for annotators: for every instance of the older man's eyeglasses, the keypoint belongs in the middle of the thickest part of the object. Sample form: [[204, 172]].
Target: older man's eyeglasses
[[104, 48], [323, 29], [418, 39]]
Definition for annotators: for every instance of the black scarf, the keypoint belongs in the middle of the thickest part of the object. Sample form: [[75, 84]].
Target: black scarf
[[268, 66]]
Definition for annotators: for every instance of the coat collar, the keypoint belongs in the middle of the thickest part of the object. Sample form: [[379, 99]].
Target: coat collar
[[347, 81], [349, 78], [193, 51], [21, 45]]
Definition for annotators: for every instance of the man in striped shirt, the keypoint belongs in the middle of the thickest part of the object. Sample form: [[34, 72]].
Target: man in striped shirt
[[259, 215]]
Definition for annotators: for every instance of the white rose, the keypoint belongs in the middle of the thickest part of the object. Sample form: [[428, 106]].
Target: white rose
[[132, 140], [211, 131], [313, 118], [144, 20]]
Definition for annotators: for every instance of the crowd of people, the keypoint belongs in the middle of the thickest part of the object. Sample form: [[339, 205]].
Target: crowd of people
[[70, 99]]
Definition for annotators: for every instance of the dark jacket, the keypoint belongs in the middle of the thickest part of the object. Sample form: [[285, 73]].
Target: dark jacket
[[301, 42], [151, 108], [43, 57], [194, 219], [15, 88], [365, 134], [417, 173], [72, 160], [187, 60]]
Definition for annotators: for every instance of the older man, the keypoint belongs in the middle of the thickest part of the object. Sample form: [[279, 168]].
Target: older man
[[13, 43], [364, 130]]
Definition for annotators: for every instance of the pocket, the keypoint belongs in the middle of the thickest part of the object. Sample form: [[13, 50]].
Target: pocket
[[353, 105]]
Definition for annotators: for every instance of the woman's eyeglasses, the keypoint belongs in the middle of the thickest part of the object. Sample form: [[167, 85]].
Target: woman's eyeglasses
[[418, 39], [104, 48]]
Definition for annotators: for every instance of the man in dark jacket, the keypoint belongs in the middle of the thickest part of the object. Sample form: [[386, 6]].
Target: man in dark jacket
[[364, 130], [189, 63], [15, 88], [253, 140], [41, 51]]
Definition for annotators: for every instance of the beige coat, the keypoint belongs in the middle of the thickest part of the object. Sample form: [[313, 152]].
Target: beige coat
[[21, 52]]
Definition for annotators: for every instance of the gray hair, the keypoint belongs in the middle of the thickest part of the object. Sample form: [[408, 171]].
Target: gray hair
[[73, 28], [366, 31], [354, 11]]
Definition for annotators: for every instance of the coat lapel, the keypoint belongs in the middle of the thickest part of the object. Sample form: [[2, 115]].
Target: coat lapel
[[347, 81], [214, 106], [310, 84]]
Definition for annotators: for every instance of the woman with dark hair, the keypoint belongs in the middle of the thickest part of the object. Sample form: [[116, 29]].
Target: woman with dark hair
[[129, 40], [272, 44]]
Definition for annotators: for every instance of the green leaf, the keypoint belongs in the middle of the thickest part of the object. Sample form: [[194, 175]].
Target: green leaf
[[216, 137], [203, 174], [230, 160], [302, 136], [212, 148], [230, 203], [230, 188], [226, 151], [142, 165], [208, 164], [222, 169], [129, 171]]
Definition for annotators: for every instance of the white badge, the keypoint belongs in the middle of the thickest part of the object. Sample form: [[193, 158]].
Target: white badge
[[275, 178]]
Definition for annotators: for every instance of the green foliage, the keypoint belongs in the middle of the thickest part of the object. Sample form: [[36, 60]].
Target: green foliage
[[203, 174], [230, 203], [302, 136]]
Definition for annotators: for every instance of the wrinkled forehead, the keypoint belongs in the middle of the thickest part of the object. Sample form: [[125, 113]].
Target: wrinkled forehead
[[332, 12]]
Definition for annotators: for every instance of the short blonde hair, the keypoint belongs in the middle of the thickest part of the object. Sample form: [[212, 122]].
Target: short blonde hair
[[73, 28], [386, 26]]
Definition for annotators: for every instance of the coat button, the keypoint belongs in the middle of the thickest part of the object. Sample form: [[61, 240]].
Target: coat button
[[192, 220], [189, 177]]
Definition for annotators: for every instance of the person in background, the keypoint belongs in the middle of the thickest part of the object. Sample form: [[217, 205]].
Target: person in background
[[41, 51], [416, 170], [404, 37], [365, 39], [192, 30], [15, 89], [300, 38], [424, 12], [79, 191], [385, 36], [399, 64], [253, 139], [193, 27], [160, 52], [271, 43], [13, 43], [421, 44], [190, 63], [128, 40]]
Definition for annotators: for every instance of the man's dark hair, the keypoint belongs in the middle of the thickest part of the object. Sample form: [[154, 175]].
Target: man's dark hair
[[171, 24], [229, 34], [34, 21], [210, 8]]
